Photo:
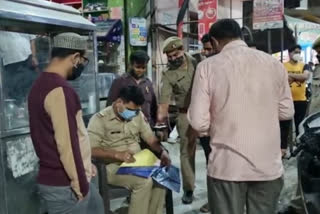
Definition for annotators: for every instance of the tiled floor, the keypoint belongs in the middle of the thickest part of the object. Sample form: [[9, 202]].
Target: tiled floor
[[201, 192]]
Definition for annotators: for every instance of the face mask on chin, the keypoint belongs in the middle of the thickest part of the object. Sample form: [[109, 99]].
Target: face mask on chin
[[76, 72], [176, 63]]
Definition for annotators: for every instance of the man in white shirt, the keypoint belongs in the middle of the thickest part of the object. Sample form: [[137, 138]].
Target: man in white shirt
[[18, 56]]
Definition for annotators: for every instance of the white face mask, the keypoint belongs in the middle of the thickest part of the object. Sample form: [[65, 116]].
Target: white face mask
[[297, 57]]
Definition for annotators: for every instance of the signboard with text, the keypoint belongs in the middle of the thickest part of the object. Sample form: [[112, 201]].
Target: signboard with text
[[268, 14], [138, 31], [207, 15]]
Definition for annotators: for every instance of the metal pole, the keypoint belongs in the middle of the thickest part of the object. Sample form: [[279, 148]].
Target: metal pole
[[126, 33], [296, 33], [282, 43], [269, 42], [230, 9]]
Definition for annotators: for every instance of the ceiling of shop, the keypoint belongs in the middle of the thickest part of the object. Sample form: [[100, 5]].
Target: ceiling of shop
[[311, 14]]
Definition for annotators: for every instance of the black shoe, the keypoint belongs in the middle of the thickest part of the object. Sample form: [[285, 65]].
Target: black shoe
[[187, 197], [288, 210]]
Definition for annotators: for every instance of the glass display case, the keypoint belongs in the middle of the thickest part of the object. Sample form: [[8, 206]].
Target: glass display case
[[26, 31], [23, 57]]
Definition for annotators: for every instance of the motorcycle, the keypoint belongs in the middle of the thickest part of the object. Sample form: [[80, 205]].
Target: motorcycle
[[308, 157]]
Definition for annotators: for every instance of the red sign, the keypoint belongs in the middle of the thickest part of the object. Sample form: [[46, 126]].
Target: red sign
[[207, 15]]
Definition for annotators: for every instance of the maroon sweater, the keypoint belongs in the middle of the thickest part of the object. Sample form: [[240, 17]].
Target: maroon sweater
[[55, 113]]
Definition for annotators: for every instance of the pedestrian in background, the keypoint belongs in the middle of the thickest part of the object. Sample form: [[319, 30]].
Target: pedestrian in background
[[205, 140], [137, 77], [298, 74]]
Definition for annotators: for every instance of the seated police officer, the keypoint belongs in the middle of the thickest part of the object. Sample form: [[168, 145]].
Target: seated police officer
[[115, 134]]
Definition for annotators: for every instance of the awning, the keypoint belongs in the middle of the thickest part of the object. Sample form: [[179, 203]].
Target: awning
[[261, 39], [32, 15], [109, 30], [307, 31]]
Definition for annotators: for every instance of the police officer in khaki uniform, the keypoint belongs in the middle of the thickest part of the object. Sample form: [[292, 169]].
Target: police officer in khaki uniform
[[115, 134], [296, 204], [177, 83], [315, 98]]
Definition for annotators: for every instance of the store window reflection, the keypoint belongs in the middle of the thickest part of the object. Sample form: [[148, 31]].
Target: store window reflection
[[22, 57]]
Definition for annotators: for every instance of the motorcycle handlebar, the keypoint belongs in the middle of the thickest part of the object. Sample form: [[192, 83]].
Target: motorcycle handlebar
[[297, 150]]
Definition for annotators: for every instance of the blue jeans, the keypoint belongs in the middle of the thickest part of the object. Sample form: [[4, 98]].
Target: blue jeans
[[62, 200]]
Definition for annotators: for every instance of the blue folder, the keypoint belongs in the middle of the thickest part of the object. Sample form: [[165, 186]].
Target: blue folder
[[144, 172]]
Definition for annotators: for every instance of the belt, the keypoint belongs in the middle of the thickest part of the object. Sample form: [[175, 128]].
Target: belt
[[183, 110]]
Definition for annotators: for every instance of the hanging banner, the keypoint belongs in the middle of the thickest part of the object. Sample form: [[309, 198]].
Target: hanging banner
[[207, 15], [268, 14]]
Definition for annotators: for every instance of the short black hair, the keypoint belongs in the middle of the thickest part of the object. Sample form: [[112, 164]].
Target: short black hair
[[205, 38], [64, 52], [225, 29], [139, 57], [292, 48], [132, 94]]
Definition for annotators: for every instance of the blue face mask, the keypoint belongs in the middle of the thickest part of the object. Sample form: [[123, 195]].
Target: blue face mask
[[128, 114]]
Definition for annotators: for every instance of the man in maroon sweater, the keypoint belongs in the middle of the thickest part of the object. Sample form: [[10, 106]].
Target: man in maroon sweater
[[59, 135], [136, 77]]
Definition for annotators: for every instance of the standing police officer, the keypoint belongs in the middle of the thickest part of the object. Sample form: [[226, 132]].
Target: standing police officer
[[177, 83]]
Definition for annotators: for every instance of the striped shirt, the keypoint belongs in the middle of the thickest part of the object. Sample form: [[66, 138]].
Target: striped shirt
[[239, 96]]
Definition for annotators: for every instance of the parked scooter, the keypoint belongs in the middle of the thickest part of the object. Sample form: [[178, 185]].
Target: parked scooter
[[308, 151]]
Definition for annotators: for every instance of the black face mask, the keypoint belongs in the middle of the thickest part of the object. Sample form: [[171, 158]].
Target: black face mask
[[176, 63], [76, 72]]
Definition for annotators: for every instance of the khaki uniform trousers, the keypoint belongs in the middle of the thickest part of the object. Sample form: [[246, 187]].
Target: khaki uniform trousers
[[186, 161], [146, 197]]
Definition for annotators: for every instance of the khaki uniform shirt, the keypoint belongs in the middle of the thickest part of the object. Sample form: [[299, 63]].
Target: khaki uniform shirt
[[106, 131], [178, 83], [315, 98]]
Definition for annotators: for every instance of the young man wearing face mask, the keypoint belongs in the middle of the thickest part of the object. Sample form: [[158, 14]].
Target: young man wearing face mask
[[136, 77], [230, 103], [298, 74], [177, 83], [115, 134], [59, 135]]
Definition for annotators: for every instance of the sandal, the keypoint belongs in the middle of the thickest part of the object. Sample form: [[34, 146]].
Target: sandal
[[205, 208]]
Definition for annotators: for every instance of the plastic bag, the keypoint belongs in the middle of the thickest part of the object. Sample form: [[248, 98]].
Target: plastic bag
[[168, 177]]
